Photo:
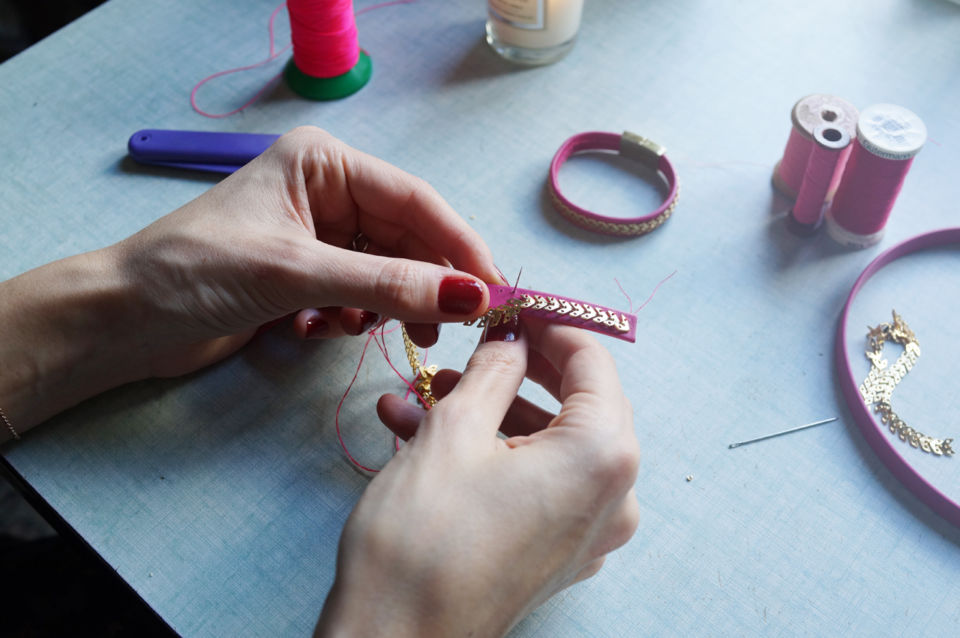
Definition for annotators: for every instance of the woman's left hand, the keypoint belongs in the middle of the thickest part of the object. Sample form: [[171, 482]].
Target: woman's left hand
[[275, 239], [278, 236]]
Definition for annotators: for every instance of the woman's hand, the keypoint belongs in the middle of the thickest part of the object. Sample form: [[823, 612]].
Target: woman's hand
[[464, 533], [280, 235], [277, 238]]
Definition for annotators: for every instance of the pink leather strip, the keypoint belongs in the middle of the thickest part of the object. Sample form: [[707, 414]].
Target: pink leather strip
[[876, 434], [600, 223], [567, 311]]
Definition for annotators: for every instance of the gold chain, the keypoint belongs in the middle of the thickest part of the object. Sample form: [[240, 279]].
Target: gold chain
[[423, 376], [878, 387]]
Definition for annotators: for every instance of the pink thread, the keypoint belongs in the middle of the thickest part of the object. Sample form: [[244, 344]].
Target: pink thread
[[377, 334], [655, 289], [868, 190], [650, 298], [272, 55], [888, 138], [629, 300], [831, 146], [794, 161], [324, 34], [336, 418], [807, 114]]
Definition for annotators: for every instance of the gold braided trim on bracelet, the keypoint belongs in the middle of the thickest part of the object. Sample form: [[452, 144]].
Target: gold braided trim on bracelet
[[878, 387], [612, 228], [547, 303]]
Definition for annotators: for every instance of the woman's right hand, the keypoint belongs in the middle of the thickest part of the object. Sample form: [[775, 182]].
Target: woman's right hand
[[465, 533]]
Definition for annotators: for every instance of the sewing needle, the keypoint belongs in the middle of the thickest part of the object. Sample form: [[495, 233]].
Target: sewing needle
[[517, 283], [770, 436]]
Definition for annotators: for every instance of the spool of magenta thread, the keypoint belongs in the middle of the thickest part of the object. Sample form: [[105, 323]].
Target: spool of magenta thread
[[888, 138], [327, 61], [809, 113], [831, 147]]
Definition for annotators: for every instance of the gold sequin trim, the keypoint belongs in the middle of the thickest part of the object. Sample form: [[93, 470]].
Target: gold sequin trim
[[550, 304], [881, 381]]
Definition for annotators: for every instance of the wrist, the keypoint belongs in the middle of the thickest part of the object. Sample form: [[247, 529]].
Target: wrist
[[356, 614], [404, 607], [66, 336]]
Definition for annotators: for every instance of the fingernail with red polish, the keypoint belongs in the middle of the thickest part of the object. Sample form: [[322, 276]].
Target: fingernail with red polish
[[368, 320], [316, 328], [509, 330], [460, 295]]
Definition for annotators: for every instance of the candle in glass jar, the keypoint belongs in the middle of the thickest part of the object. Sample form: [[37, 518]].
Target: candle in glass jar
[[533, 31]]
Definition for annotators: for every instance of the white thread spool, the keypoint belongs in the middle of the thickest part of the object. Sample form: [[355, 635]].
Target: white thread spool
[[888, 138]]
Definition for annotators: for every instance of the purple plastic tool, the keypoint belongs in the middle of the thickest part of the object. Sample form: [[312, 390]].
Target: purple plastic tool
[[197, 150]]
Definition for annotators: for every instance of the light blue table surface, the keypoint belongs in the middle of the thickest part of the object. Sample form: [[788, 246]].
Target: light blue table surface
[[220, 497]]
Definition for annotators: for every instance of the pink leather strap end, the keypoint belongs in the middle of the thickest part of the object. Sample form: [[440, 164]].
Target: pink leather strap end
[[629, 145], [506, 301]]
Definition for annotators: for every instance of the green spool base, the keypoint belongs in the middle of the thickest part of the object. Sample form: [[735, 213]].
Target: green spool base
[[329, 88]]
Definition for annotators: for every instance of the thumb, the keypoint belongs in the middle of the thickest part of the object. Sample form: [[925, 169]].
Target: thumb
[[477, 405], [403, 289]]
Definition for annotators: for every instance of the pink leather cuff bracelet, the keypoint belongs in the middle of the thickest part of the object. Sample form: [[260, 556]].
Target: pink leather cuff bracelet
[[629, 145]]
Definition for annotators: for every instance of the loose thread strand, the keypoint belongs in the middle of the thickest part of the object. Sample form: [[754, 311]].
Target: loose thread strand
[[655, 289], [629, 300], [377, 334], [271, 56], [336, 418]]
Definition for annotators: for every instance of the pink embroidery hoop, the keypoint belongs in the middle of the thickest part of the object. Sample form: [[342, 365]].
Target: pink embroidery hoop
[[629, 145], [875, 433]]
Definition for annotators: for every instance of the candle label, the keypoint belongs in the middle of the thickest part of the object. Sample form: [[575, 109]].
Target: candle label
[[523, 14]]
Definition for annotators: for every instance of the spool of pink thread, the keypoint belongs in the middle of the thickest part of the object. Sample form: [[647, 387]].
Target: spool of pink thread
[[327, 63], [807, 114], [888, 138], [831, 146]]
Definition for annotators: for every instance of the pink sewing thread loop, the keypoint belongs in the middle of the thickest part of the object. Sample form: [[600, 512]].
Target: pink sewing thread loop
[[888, 138], [629, 145], [807, 114], [377, 335], [872, 431], [271, 56]]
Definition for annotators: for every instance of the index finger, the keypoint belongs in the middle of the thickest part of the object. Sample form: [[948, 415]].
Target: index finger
[[583, 364], [392, 207]]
